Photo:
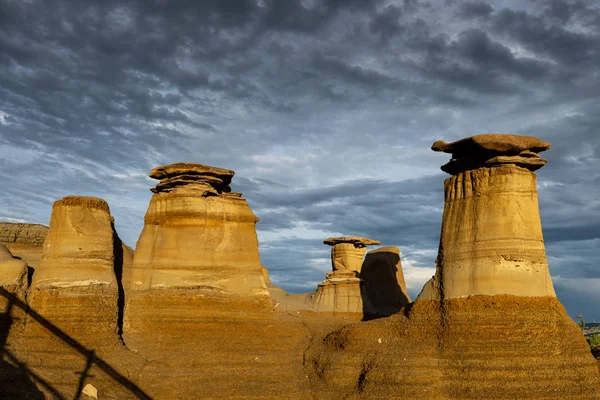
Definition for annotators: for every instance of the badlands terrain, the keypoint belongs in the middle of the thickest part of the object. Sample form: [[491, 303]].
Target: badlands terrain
[[191, 313]]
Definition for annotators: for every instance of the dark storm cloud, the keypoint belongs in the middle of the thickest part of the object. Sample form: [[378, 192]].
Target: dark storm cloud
[[296, 16], [548, 37], [474, 9], [325, 108]]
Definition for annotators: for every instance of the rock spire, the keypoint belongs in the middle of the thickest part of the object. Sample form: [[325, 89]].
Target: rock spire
[[75, 286], [341, 291]]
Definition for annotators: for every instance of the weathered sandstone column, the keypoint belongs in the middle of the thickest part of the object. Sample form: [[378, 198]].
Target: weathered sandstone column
[[74, 304], [383, 281], [341, 291], [197, 298], [198, 235], [13, 272], [74, 286], [78, 250], [491, 241]]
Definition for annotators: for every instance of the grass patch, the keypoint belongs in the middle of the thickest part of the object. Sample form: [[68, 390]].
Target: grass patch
[[594, 341]]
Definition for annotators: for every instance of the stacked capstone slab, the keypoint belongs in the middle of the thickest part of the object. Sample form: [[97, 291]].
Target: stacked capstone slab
[[207, 180], [341, 291], [492, 149]]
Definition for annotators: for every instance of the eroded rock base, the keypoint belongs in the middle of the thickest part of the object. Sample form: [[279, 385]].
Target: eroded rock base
[[481, 347]]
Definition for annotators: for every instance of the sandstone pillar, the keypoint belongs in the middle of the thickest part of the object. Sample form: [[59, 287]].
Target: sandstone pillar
[[74, 286], [197, 254], [383, 281], [491, 241], [341, 291], [198, 235], [13, 272]]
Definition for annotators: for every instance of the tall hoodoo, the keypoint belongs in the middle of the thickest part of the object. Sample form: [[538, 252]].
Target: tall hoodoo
[[491, 241], [341, 291], [198, 234]]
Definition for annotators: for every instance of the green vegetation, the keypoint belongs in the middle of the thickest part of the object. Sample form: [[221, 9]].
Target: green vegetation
[[594, 341], [592, 335]]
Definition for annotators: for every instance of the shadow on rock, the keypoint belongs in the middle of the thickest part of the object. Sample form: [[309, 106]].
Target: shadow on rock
[[383, 288]]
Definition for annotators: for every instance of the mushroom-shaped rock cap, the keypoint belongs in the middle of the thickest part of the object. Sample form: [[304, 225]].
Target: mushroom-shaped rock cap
[[492, 149], [5, 254], [178, 169], [357, 241], [491, 142]]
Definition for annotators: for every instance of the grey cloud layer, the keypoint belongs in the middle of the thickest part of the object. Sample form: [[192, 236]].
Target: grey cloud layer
[[325, 108]]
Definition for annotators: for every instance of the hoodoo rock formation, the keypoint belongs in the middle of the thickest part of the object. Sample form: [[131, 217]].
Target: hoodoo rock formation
[[24, 240], [197, 302], [341, 292], [491, 240], [75, 285], [488, 325], [383, 281], [74, 294], [78, 250], [198, 234], [347, 253]]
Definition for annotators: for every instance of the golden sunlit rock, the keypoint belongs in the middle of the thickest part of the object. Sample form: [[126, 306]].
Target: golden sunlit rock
[[24, 240]]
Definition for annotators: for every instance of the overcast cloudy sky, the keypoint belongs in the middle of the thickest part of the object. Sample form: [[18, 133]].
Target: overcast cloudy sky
[[326, 110]]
